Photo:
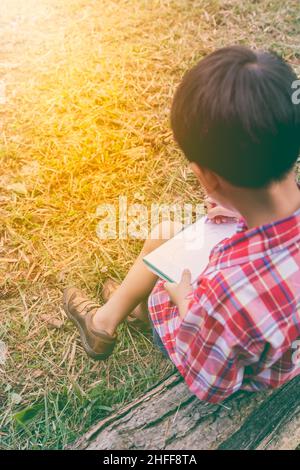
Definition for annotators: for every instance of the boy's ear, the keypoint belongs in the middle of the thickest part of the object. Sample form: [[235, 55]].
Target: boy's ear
[[207, 178]]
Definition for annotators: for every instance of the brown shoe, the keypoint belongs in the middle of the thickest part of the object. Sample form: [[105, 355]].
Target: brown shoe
[[80, 310], [134, 318]]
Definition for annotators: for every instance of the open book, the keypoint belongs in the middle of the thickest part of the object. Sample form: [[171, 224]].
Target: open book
[[189, 249]]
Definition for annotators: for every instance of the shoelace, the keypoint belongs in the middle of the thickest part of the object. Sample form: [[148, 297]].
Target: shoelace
[[90, 305]]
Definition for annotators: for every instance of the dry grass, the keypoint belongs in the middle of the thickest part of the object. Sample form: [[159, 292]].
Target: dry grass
[[89, 86]]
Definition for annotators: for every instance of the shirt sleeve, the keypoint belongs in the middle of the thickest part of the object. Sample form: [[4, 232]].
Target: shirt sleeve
[[207, 354]]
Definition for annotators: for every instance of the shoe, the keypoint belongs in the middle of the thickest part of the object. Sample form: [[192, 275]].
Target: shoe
[[80, 310]]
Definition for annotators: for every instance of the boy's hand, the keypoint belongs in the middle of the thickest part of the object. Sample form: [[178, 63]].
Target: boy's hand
[[219, 214], [179, 292]]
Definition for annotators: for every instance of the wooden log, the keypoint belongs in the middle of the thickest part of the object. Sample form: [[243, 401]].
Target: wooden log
[[169, 417], [274, 424]]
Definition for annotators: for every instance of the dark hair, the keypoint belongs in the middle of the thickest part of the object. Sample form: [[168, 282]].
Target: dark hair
[[233, 113]]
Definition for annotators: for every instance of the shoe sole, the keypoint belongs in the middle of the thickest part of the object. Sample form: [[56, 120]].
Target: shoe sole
[[89, 351]]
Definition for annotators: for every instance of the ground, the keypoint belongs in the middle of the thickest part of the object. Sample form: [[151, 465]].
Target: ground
[[85, 93]]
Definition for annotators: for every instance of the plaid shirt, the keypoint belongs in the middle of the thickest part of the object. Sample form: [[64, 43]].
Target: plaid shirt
[[242, 327]]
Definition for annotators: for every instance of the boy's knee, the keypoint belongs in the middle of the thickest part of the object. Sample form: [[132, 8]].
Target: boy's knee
[[161, 233]]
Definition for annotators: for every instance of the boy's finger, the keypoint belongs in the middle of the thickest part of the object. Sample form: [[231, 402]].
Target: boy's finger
[[170, 288], [219, 212], [186, 276]]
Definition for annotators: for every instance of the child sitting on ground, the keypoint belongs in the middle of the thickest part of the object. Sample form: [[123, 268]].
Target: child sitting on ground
[[238, 327]]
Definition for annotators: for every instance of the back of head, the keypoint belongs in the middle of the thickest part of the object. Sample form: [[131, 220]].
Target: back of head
[[233, 113]]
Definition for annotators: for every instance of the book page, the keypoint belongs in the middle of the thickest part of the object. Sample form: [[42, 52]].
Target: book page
[[189, 249]]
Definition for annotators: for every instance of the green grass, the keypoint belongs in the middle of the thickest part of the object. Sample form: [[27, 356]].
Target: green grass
[[89, 87]]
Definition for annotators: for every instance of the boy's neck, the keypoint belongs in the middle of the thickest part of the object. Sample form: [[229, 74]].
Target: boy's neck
[[265, 206]]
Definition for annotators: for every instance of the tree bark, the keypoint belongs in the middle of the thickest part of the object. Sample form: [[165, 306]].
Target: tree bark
[[169, 417]]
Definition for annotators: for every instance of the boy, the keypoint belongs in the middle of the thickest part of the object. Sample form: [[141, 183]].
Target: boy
[[234, 119]]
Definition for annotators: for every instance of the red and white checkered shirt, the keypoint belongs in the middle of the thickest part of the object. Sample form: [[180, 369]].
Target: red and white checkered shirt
[[242, 327]]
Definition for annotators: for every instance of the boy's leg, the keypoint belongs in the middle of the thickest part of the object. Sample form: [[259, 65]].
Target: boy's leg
[[136, 286]]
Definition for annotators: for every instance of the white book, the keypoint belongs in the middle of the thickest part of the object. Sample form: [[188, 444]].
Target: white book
[[189, 249]]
